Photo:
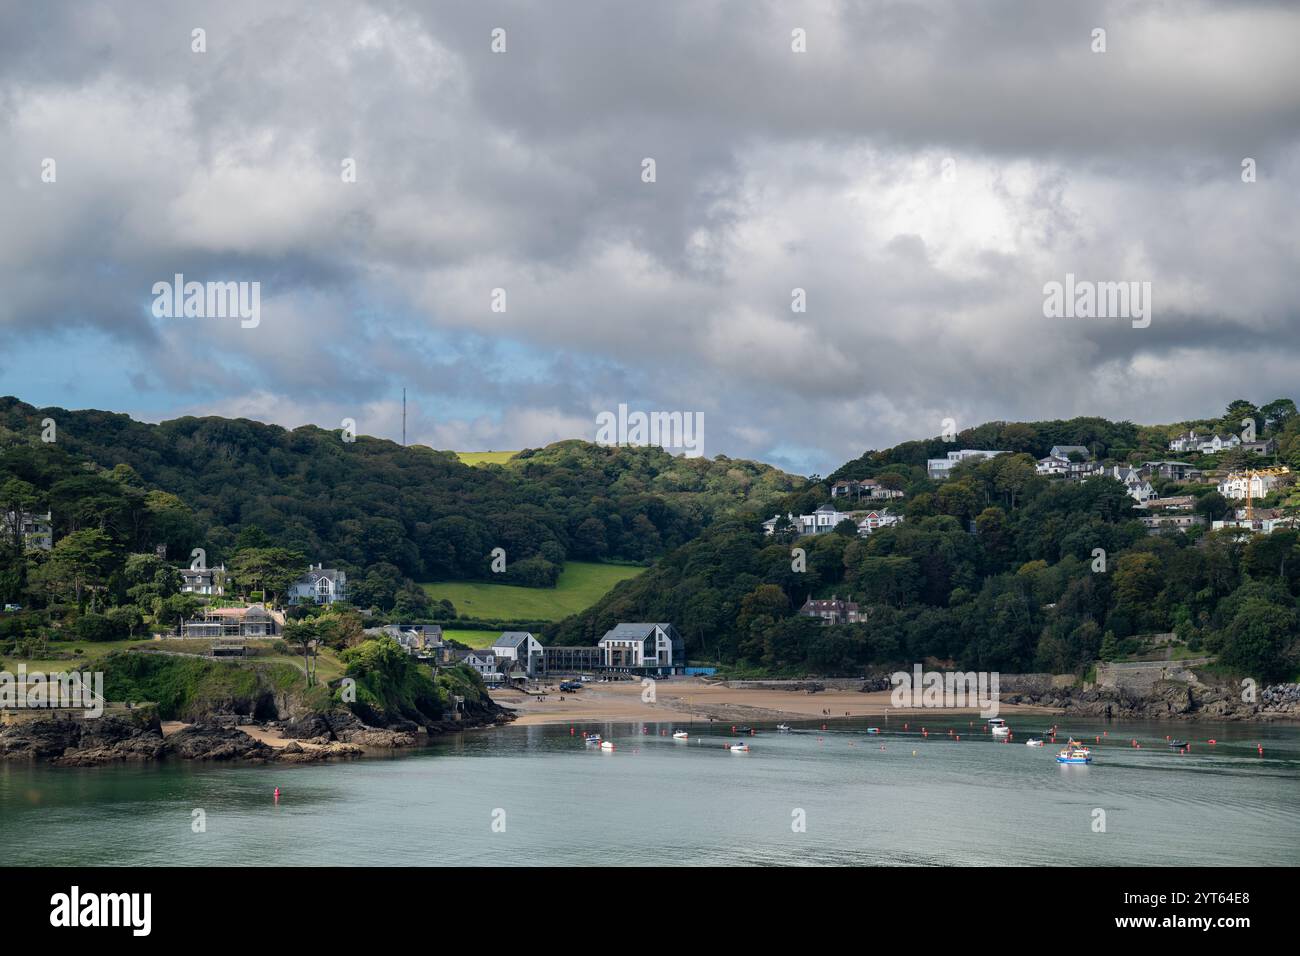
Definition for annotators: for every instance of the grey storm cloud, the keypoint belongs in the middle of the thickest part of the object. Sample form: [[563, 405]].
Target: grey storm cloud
[[920, 172]]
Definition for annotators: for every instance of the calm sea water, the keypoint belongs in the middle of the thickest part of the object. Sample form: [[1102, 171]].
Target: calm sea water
[[658, 801]]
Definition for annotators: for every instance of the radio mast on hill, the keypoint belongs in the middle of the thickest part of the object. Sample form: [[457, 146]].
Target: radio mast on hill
[[403, 418]]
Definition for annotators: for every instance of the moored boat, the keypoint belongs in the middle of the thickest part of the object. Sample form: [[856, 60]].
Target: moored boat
[[1033, 742], [739, 748], [783, 728], [1074, 753], [680, 735], [591, 738], [607, 745], [999, 727]]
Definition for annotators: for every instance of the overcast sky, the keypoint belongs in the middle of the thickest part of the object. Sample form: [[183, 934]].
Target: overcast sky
[[921, 171]]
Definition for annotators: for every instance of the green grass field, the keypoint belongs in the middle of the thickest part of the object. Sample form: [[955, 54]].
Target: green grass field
[[581, 584], [328, 666], [485, 457]]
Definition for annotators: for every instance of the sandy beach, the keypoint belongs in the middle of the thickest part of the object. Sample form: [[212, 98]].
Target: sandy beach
[[686, 700], [268, 737]]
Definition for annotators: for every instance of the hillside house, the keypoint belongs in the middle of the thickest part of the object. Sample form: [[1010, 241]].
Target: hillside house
[[1234, 486], [36, 531], [1188, 442], [1266, 521], [1176, 470], [873, 520], [209, 582], [833, 611], [320, 585], [234, 623], [941, 468], [1066, 451]]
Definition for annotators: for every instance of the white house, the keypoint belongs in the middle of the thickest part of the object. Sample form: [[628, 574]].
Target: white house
[[877, 519], [821, 521], [1267, 520], [1234, 486], [1189, 442], [320, 585], [521, 648], [940, 468], [645, 647], [1138, 487], [485, 662], [1217, 443], [1053, 465]]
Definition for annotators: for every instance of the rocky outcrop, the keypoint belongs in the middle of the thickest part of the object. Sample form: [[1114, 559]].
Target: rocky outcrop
[[109, 739], [213, 742], [1170, 700]]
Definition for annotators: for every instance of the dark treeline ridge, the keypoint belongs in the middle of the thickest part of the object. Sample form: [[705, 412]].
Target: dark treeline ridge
[[222, 485]]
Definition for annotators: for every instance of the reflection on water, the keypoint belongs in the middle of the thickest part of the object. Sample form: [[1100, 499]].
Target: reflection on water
[[894, 798]]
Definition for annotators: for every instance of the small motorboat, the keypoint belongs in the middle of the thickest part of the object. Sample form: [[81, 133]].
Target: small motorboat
[[1178, 744], [1074, 753], [680, 735], [607, 745], [1033, 742], [783, 728], [873, 730], [591, 738], [739, 748], [999, 727]]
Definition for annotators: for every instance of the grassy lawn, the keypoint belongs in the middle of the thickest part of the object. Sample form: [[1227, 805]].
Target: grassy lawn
[[328, 665], [478, 639], [485, 457], [581, 584]]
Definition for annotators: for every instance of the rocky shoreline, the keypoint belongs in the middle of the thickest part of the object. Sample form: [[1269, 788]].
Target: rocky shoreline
[[139, 738], [1169, 700]]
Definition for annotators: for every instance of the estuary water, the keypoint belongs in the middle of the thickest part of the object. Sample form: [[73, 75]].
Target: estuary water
[[538, 795]]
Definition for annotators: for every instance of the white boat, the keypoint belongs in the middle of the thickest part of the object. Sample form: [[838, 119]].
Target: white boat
[[680, 735], [1033, 742], [740, 748], [591, 738], [783, 728], [607, 745], [999, 727]]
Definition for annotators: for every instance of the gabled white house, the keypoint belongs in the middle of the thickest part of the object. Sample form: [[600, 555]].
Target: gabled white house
[[1235, 485], [521, 648], [877, 519], [320, 585], [656, 648]]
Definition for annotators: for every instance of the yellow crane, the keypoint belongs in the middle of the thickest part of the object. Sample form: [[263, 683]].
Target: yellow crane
[[1250, 475]]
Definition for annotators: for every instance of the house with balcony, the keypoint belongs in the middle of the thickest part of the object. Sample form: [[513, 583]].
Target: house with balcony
[[320, 585], [644, 647], [1236, 485], [940, 468], [209, 582], [234, 623], [520, 647], [874, 520]]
